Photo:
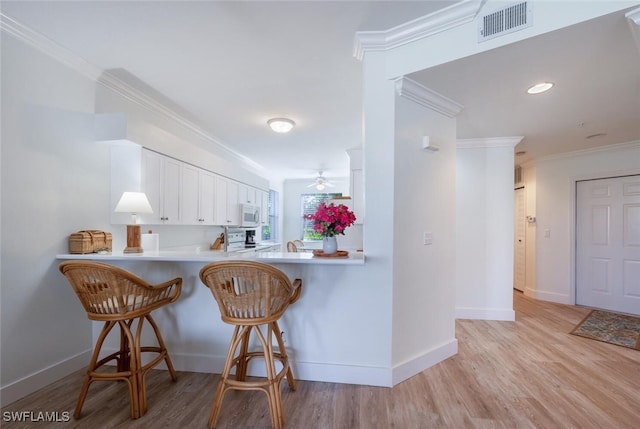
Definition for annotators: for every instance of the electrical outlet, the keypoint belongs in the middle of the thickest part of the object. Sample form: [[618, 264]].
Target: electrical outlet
[[427, 238]]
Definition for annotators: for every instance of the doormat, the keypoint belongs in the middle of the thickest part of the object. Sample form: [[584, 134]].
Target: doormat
[[614, 328]]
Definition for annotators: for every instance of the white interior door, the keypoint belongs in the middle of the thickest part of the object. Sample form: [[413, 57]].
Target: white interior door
[[608, 244], [519, 243]]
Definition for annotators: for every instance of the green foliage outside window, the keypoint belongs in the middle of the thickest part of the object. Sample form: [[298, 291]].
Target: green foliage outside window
[[310, 203]]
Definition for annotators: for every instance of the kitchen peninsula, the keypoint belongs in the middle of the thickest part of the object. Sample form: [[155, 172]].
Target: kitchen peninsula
[[326, 337]]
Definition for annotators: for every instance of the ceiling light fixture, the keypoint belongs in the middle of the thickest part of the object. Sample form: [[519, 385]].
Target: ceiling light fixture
[[281, 125], [540, 88]]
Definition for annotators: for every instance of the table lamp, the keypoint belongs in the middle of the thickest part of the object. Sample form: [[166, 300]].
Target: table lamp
[[134, 203]]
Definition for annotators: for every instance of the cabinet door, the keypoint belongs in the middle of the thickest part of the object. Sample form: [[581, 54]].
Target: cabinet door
[[264, 207], [233, 205], [206, 197], [247, 194], [252, 196], [172, 180], [220, 214], [190, 195], [152, 186]]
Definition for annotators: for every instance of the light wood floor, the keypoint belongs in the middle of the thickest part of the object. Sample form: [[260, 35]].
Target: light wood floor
[[527, 374]]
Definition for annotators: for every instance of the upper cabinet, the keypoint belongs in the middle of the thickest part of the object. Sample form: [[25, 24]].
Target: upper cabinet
[[248, 195], [264, 207], [198, 196], [179, 193], [162, 183], [227, 207]]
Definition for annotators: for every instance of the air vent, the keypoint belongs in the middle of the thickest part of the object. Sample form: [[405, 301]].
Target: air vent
[[504, 21]]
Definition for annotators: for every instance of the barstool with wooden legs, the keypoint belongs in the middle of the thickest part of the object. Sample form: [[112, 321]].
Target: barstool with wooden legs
[[250, 295], [119, 298]]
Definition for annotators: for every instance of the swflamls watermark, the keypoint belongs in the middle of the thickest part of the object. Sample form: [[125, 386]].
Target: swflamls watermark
[[36, 416]]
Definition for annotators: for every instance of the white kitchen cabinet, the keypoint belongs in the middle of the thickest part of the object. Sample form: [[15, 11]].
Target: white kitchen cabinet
[[248, 194], [227, 207], [198, 195], [207, 190], [264, 207], [162, 183]]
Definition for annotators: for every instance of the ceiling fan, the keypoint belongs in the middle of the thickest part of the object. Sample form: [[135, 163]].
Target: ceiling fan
[[320, 182]]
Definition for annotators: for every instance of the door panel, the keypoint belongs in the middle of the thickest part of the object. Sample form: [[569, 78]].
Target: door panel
[[608, 244]]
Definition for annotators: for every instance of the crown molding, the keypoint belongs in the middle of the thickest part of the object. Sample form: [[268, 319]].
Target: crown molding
[[486, 143], [63, 55], [633, 18], [419, 28], [594, 150], [47, 46], [418, 93]]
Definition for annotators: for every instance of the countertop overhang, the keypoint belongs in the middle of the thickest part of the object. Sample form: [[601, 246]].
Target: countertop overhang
[[198, 255]]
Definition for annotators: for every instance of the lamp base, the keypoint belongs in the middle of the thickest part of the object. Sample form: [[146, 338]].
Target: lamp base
[[133, 240]]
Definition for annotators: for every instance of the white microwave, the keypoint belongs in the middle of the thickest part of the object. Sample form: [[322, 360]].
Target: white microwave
[[249, 215]]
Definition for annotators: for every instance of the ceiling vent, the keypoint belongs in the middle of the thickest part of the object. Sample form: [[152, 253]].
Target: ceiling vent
[[504, 21]]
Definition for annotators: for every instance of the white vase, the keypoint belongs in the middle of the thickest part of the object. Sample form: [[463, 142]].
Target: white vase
[[329, 245]]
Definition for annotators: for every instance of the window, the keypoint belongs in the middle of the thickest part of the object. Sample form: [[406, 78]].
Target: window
[[310, 203], [270, 231]]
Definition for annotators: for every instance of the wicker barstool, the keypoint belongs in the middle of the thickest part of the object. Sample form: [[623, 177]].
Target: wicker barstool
[[291, 246], [118, 297], [250, 294]]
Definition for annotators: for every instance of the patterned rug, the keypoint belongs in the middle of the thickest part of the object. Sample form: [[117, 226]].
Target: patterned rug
[[614, 328]]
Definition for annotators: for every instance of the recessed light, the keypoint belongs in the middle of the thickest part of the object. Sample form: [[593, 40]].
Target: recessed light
[[539, 88], [281, 125]]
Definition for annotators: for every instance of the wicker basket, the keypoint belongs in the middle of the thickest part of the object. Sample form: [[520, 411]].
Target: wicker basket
[[90, 241]]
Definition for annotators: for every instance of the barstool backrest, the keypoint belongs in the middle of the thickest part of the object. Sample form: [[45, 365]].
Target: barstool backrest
[[112, 293], [249, 292]]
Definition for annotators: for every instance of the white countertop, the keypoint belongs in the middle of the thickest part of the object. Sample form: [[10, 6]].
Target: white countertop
[[197, 254]]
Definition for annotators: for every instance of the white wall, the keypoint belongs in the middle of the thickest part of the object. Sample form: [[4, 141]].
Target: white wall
[[424, 275], [484, 213], [555, 206], [54, 182]]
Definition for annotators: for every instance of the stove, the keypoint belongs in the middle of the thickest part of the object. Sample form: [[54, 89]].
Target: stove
[[235, 239]]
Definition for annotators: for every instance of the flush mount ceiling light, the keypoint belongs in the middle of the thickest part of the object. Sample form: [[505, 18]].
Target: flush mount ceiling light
[[540, 88], [281, 125]]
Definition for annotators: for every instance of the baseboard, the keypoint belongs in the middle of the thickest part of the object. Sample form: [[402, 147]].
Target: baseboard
[[502, 314], [550, 296], [31, 383], [415, 366], [309, 371]]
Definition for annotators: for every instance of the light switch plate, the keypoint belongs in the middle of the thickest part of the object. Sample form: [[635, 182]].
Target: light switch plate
[[427, 238]]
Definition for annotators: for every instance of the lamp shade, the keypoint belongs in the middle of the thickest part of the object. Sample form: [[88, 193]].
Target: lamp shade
[[133, 202]]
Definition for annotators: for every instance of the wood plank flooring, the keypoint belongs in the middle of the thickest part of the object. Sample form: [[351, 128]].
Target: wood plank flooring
[[530, 373]]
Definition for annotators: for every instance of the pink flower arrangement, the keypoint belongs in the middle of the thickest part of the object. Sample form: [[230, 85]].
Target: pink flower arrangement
[[330, 220]]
